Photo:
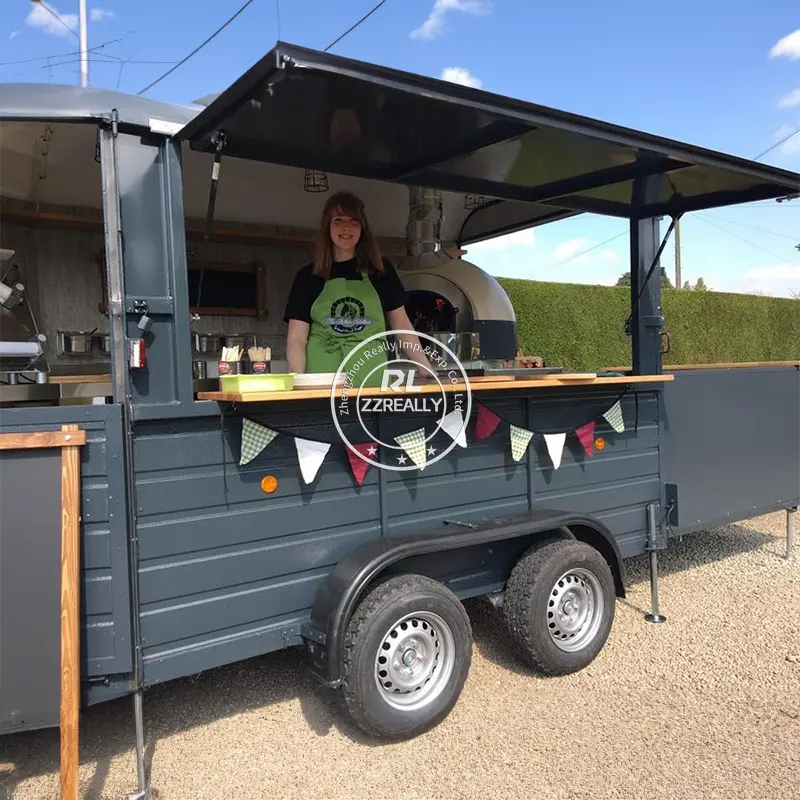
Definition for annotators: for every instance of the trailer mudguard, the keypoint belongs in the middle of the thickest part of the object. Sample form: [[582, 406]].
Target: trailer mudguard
[[350, 578]]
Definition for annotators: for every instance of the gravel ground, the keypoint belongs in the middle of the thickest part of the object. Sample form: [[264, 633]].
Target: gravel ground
[[706, 706]]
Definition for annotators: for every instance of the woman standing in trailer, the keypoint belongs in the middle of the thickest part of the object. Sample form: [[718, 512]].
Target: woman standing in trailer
[[348, 294]]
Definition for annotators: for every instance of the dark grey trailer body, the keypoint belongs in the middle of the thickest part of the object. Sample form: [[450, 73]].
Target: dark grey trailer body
[[188, 565]]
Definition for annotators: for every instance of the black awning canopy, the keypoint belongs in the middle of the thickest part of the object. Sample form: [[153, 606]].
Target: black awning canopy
[[308, 109]]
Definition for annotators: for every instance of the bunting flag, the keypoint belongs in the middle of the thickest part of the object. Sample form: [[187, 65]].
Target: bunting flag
[[255, 438], [359, 465], [311, 455], [453, 426], [555, 446], [586, 435], [414, 444], [486, 423], [520, 439], [614, 417]]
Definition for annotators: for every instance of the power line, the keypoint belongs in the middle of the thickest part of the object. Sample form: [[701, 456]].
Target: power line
[[354, 26], [56, 17], [62, 55], [778, 143], [754, 228], [197, 49], [588, 250], [783, 259], [278, 10]]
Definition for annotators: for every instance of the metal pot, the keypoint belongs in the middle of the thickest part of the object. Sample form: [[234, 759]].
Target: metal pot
[[199, 370], [235, 340], [104, 342], [76, 342], [205, 343]]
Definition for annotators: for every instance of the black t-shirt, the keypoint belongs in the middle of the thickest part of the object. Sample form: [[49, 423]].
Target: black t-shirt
[[307, 287]]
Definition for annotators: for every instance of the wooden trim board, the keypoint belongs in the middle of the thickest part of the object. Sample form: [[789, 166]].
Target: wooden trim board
[[67, 436], [549, 381], [70, 611]]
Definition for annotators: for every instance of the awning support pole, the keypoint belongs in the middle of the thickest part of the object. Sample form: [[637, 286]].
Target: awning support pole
[[218, 140]]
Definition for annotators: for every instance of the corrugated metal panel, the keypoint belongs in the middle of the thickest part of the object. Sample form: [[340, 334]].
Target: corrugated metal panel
[[105, 600], [226, 571]]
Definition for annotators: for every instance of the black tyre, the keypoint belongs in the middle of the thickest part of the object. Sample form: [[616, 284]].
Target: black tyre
[[407, 653], [559, 606]]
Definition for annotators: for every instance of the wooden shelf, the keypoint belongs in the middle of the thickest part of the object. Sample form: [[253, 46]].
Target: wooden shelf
[[548, 381]]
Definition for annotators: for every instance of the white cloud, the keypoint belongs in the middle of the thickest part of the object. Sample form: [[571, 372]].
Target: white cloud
[[525, 238], [609, 256], [39, 17], [433, 25], [778, 281], [13, 34], [791, 99], [99, 14], [789, 47], [462, 76]]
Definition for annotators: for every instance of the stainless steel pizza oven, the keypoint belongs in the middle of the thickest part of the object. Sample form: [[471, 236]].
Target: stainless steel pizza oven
[[450, 295]]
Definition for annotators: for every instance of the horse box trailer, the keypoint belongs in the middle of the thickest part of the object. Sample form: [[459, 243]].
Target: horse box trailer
[[218, 523]]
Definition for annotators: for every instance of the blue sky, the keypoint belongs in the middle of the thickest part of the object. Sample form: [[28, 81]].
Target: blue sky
[[720, 75]]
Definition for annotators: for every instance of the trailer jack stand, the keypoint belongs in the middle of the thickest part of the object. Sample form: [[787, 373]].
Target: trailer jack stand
[[654, 615], [790, 513], [138, 709], [652, 545]]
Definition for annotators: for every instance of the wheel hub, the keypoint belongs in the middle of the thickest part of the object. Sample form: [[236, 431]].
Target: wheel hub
[[415, 660], [575, 610]]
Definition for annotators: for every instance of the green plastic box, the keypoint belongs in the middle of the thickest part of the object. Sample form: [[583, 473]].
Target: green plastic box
[[269, 382]]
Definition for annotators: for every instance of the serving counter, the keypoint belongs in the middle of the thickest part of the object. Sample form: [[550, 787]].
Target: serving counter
[[481, 384]]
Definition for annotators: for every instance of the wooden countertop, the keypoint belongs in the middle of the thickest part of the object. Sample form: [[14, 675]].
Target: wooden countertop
[[546, 381]]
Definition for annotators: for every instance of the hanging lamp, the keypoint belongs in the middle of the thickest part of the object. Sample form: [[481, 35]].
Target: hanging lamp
[[315, 181]]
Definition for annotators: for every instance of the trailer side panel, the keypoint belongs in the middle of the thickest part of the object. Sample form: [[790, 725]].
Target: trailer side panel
[[730, 444], [228, 571], [106, 647]]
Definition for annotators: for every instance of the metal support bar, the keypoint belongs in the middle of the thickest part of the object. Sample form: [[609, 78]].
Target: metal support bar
[[138, 710], [652, 544], [790, 514]]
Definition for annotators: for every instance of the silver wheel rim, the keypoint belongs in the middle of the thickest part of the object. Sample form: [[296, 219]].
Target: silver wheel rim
[[415, 661], [575, 610]]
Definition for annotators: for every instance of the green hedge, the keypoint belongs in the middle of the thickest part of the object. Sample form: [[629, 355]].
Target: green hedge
[[583, 327]]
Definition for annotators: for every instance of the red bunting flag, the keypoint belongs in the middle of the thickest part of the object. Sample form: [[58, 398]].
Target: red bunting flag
[[586, 435], [486, 423], [359, 465]]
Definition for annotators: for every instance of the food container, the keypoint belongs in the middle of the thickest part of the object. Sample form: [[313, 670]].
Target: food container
[[235, 340], [199, 370], [206, 343], [75, 342], [283, 382], [103, 341], [231, 368]]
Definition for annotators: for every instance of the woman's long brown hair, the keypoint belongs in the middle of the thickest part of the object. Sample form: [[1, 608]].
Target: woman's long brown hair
[[368, 253]]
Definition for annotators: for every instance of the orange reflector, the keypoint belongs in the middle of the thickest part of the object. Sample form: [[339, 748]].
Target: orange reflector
[[269, 484], [599, 443]]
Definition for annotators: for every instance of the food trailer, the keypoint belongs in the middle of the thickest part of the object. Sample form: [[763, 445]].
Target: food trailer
[[226, 511]]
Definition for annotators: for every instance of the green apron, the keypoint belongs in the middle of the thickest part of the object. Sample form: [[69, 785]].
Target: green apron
[[345, 314]]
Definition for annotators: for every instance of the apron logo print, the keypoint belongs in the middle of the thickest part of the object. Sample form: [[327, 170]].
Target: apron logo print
[[348, 315]]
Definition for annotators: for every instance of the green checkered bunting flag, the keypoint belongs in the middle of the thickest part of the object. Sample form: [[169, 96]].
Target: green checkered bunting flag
[[520, 439], [414, 444], [255, 438], [614, 417]]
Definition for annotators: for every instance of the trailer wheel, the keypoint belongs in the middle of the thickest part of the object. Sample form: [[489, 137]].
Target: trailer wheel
[[407, 652], [559, 606]]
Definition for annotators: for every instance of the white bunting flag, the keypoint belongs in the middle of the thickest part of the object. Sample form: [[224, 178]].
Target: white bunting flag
[[520, 439], [555, 446], [255, 438], [311, 456], [614, 417], [414, 444], [453, 426]]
